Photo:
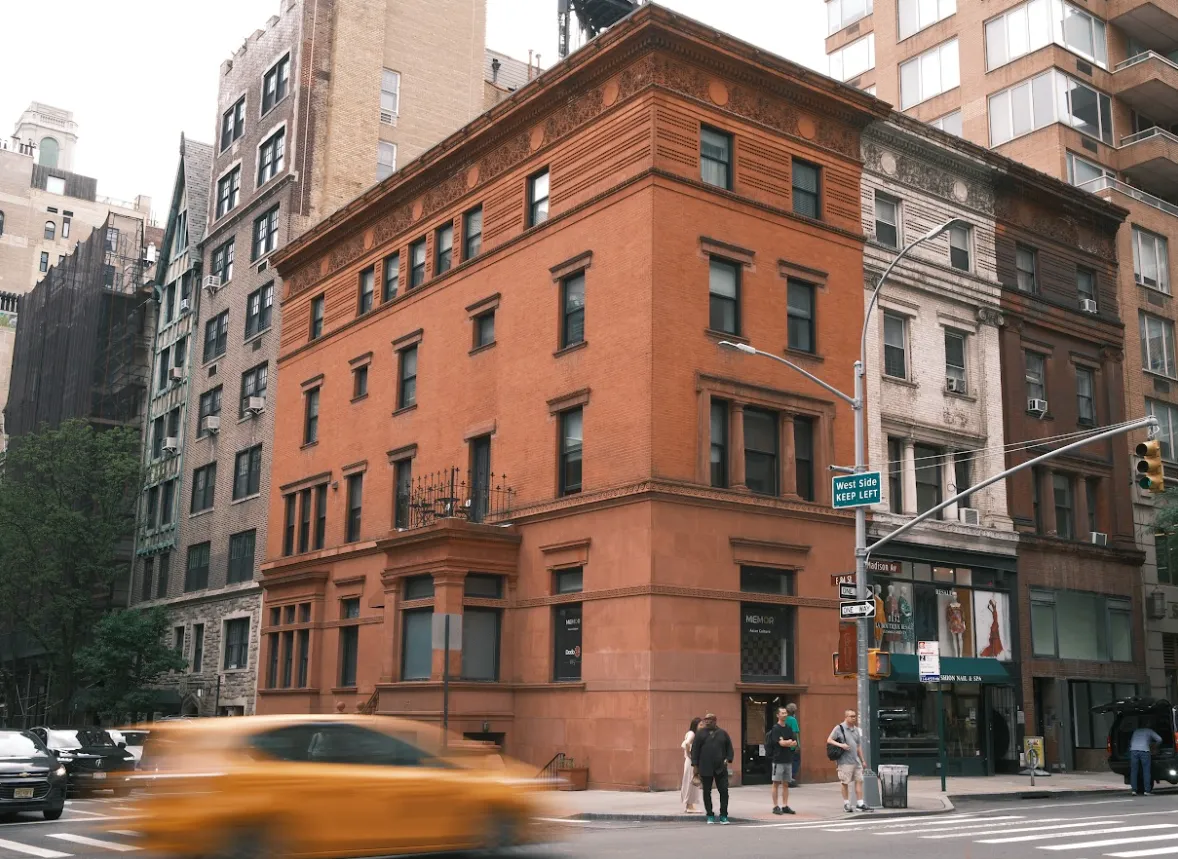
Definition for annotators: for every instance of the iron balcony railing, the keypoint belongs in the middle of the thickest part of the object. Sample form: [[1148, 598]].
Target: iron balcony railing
[[453, 494]]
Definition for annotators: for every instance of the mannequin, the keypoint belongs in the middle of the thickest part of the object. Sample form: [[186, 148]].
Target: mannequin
[[955, 618]]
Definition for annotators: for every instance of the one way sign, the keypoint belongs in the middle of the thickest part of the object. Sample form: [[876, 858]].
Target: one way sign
[[862, 608]]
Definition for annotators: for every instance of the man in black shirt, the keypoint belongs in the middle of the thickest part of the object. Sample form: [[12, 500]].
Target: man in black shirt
[[711, 753], [780, 743]]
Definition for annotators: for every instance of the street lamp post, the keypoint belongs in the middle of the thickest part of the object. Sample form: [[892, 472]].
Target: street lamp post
[[857, 404]]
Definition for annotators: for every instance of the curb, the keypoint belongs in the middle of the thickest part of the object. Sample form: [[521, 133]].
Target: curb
[[1041, 794], [683, 818]]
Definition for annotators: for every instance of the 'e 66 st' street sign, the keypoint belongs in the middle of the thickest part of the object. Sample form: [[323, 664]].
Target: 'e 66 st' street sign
[[856, 490]]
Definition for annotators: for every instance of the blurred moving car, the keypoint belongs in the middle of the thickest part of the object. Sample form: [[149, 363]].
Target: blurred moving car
[[91, 757], [132, 740], [266, 786], [31, 779]]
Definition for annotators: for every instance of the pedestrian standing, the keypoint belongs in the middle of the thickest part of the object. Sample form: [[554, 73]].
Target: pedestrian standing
[[781, 742], [689, 791], [1140, 753], [791, 719], [850, 763], [711, 753]]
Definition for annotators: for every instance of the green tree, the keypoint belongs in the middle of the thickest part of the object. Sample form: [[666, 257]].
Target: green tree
[[1166, 512], [67, 505], [127, 655]]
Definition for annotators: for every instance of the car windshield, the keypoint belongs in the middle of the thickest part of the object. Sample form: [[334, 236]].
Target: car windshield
[[134, 738], [14, 745], [95, 737], [63, 740]]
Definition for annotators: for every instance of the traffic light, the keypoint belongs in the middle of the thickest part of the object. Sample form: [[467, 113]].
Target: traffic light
[[1150, 475], [879, 664], [839, 671]]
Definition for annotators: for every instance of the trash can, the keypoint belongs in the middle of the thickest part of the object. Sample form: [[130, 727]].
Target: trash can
[[893, 785]]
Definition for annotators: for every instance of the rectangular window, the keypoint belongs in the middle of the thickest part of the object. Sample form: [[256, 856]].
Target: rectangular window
[[360, 382], [367, 290], [1063, 492], [895, 346], [887, 220], [265, 233], [1047, 98], [386, 160], [800, 311], [148, 573], [1167, 416], [566, 642], [1151, 260], [724, 296], [853, 59], [572, 301], [320, 534], [198, 648], [484, 329], [478, 505], [392, 276], [390, 94], [483, 586], [569, 580], [480, 643], [349, 646], [222, 261], [271, 155], [1091, 488], [44, 267], [962, 471], [247, 473], [153, 499], [228, 191], [204, 487], [253, 384], [761, 451], [318, 305], [178, 640], [196, 576], [959, 247], [287, 658], [1157, 344], [233, 123], [1085, 174], [1036, 376], [304, 643], [355, 507], [407, 375], [472, 233], [896, 475], [715, 157], [538, 199], [237, 642], [417, 261], [272, 643], [304, 520], [766, 580], [241, 556], [719, 443], [216, 336], [949, 123], [932, 73], [1086, 396], [1086, 284], [259, 308], [1043, 635], [916, 15], [443, 249], [571, 442], [844, 13], [1038, 23], [167, 502], [210, 404], [1161, 547], [766, 643], [804, 457], [955, 362], [1026, 263], [417, 644], [403, 480], [807, 189], [165, 560], [929, 488], [419, 587], [289, 521], [311, 416], [275, 84], [165, 365]]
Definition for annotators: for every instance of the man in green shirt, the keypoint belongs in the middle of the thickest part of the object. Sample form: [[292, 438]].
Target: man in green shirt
[[791, 719]]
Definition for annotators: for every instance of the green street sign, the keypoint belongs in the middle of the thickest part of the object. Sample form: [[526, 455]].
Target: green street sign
[[857, 490]]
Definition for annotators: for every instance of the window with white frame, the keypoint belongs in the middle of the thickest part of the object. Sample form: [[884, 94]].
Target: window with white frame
[[895, 346], [271, 154], [1167, 416], [390, 96], [916, 15], [1036, 375], [887, 220], [955, 362], [1031, 26], [844, 13], [959, 247], [950, 122], [386, 160], [932, 73], [1047, 98], [1151, 260], [854, 59], [1157, 344], [1084, 173]]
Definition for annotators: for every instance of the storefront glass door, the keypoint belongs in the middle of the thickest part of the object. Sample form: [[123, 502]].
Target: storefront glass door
[[759, 712]]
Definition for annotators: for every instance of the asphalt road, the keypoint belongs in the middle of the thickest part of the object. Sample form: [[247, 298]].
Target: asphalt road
[[1112, 827]]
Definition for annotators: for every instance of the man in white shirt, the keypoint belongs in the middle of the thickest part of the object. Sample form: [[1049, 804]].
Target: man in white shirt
[[1139, 759]]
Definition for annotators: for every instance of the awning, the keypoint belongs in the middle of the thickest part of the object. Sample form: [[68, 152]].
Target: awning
[[953, 669]]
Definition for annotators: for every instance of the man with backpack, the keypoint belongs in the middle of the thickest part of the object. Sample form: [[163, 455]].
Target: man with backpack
[[779, 745], [844, 746], [711, 753]]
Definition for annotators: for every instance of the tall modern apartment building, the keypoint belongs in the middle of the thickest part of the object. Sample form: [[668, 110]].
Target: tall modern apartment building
[[1086, 91], [314, 109]]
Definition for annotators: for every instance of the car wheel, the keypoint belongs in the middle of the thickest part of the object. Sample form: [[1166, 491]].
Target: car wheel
[[53, 813]]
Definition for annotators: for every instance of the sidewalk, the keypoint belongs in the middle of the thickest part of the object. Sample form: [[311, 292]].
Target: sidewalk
[[824, 801]]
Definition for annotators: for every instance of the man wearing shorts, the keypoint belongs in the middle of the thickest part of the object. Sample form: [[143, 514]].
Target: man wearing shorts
[[850, 764], [779, 745]]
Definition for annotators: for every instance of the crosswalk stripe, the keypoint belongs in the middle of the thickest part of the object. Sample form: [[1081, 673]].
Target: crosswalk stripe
[[129, 833], [974, 834], [1156, 851], [1021, 838], [40, 852], [93, 842], [1113, 842], [882, 824]]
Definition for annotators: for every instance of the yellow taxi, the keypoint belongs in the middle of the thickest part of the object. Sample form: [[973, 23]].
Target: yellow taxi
[[331, 786]]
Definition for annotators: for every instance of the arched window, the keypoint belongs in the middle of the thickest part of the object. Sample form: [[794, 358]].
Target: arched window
[[1, 223], [50, 230], [48, 152]]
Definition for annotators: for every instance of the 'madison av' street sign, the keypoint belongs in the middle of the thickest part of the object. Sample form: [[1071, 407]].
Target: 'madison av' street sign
[[857, 490]]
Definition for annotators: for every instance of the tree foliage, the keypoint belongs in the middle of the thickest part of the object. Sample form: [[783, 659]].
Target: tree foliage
[[127, 655], [1166, 512], [67, 505]]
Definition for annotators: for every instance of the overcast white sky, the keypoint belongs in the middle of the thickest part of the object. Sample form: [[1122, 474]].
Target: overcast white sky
[[136, 73]]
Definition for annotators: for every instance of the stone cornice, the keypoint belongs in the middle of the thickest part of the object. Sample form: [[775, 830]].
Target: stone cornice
[[919, 144]]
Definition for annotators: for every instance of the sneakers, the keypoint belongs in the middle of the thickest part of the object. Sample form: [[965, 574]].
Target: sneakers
[[724, 819], [777, 810], [788, 810], [862, 806], [847, 807], [711, 819]]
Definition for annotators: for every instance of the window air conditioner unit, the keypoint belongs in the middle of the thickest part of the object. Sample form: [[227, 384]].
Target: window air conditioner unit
[[956, 386], [185, 306], [256, 405], [212, 282], [211, 424], [387, 117], [171, 444], [177, 374], [1088, 305], [969, 515], [1034, 405], [1098, 538]]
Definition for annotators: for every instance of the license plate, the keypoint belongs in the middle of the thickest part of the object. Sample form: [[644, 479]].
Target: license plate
[[22, 793], [98, 776]]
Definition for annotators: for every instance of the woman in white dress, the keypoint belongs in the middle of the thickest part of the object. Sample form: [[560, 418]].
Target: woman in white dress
[[690, 793]]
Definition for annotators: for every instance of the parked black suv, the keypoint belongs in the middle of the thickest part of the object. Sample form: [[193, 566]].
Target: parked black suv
[[31, 779], [92, 759], [1129, 714]]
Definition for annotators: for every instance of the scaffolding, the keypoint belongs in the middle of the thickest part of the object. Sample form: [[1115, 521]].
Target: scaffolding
[[83, 340]]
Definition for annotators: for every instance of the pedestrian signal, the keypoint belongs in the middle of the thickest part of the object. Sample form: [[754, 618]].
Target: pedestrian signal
[[879, 664]]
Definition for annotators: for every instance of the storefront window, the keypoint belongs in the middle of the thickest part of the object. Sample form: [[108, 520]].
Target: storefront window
[[766, 642], [908, 720], [1098, 628], [762, 580], [1091, 729]]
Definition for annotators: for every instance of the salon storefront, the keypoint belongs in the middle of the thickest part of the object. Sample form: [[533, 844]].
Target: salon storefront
[[966, 602]]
